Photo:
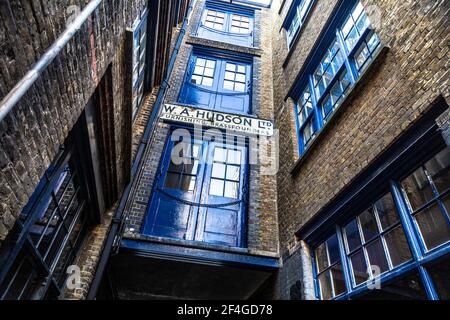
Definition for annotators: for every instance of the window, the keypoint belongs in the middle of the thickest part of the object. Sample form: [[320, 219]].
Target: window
[[351, 49], [225, 173], [305, 118], [354, 27], [235, 77], [182, 174], [51, 230], [139, 55], [227, 23], [427, 193], [204, 72], [375, 238], [377, 242], [240, 24], [263, 3], [215, 19], [217, 84], [329, 269], [296, 18], [200, 194]]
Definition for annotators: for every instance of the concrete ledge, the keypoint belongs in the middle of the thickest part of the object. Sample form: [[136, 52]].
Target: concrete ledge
[[193, 40]]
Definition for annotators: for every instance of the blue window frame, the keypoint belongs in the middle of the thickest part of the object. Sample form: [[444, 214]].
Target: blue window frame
[[348, 49], [139, 58], [305, 118], [405, 234], [295, 19], [200, 195], [218, 83], [227, 23]]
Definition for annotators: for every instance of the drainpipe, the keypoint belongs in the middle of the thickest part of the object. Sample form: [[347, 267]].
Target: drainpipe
[[19, 90], [114, 235]]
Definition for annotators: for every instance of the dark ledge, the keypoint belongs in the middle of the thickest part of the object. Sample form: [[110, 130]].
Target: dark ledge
[[224, 46]]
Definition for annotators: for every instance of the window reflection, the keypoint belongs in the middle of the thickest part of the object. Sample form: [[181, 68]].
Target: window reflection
[[424, 190], [398, 246], [183, 167], [439, 169], [375, 238], [418, 189], [433, 227], [406, 288], [331, 276], [439, 272], [225, 173]]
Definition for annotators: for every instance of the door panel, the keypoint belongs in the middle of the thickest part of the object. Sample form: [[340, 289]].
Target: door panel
[[170, 220], [199, 97], [221, 226], [178, 179], [232, 104], [224, 183]]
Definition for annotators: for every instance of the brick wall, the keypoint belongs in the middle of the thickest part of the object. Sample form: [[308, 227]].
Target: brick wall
[[400, 87], [142, 119], [39, 123]]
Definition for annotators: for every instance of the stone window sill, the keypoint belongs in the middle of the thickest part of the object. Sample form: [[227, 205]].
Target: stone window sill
[[194, 40]]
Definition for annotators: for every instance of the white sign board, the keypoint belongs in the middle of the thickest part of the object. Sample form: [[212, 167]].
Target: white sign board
[[220, 120]]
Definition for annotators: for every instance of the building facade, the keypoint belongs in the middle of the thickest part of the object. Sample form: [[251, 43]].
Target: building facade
[[240, 149], [206, 227], [361, 94], [66, 139]]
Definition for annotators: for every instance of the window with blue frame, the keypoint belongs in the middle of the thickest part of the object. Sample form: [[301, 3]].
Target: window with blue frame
[[217, 83], [227, 23], [139, 57], [377, 243], [305, 117], [296, 18], [200, 193], [350, 50]]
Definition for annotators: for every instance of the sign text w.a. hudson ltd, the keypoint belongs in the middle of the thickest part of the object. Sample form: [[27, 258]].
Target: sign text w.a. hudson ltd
[[216, 119]]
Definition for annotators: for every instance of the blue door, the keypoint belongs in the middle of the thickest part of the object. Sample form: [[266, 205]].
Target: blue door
[[178, 185], [217, 84], [202, 199]]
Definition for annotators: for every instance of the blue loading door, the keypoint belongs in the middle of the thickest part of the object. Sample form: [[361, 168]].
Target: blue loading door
[[230, 27], [202, 200], [217, 84]]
